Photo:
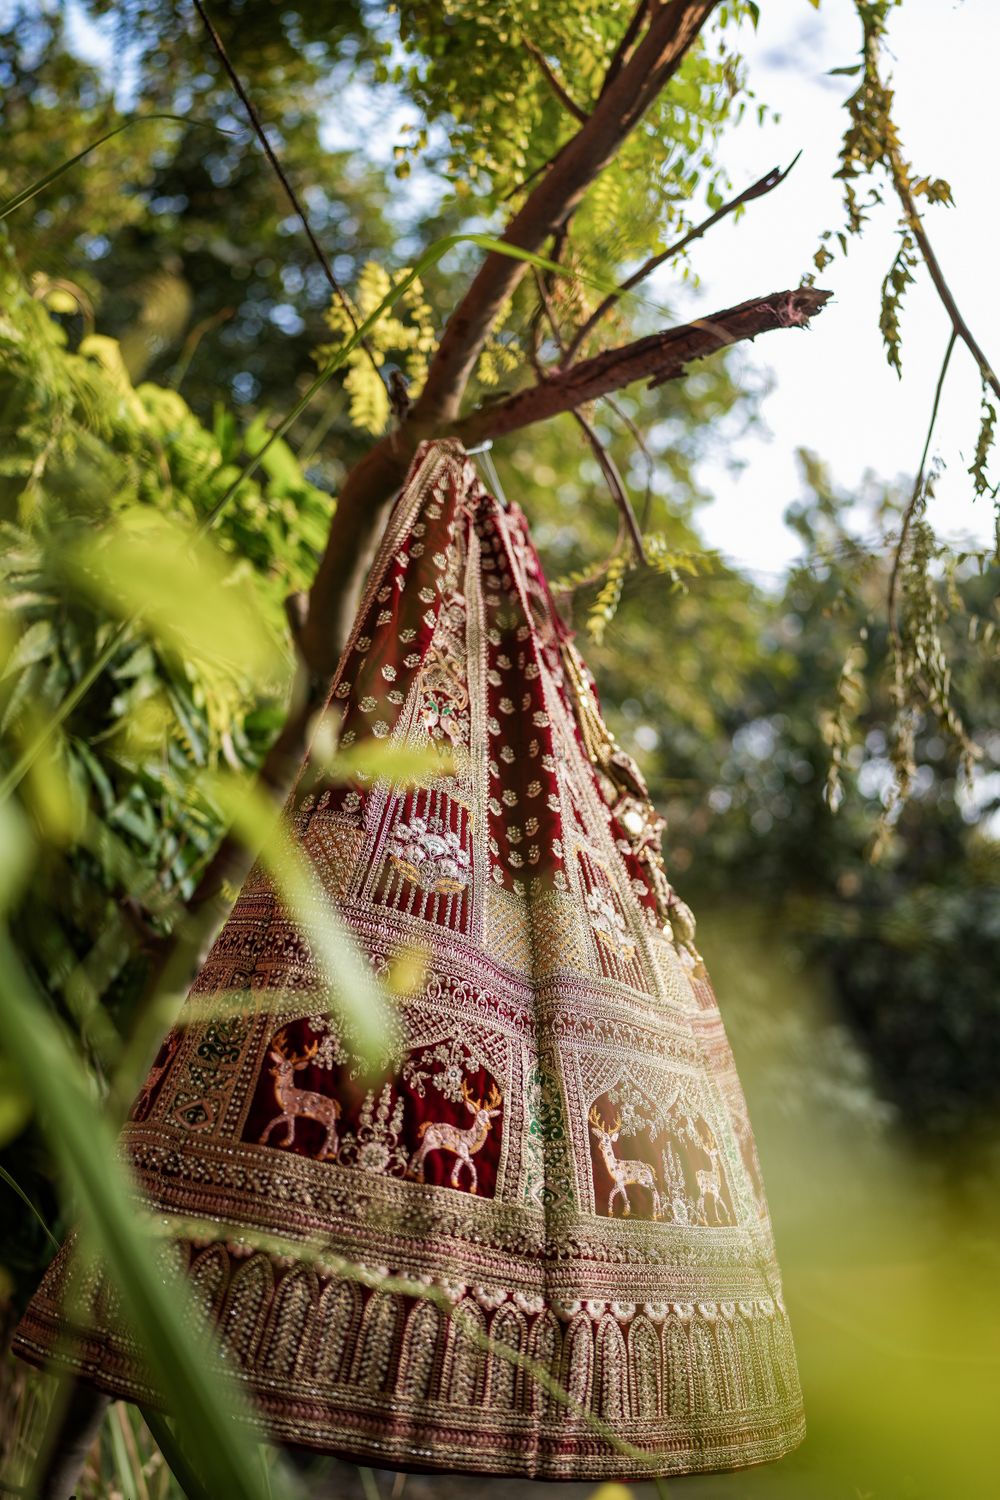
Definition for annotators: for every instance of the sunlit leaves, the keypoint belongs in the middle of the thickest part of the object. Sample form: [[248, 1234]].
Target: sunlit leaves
[[838, 725], [605, 606], [473, 69], [984, 445], [405, 337], [899, 277], [102, 488]]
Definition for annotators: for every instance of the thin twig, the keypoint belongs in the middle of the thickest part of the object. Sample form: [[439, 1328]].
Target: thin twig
[[545, 305], [757, 190], [194, 338], [614, 68], [555, 82], [615, 484], [913, 502], [640, 441], [900, 181], [290, 193], [526, 182], [608, 466]]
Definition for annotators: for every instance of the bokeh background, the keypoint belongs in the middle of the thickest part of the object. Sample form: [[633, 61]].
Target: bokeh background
[[159, 308]]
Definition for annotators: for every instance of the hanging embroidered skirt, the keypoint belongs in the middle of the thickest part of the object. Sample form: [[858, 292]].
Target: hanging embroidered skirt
[[554, 1164]]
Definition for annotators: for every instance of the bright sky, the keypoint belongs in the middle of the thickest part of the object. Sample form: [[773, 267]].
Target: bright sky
[[833, 391]]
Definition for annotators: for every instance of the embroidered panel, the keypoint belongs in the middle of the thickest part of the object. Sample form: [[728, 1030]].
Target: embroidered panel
[[555, 1144]]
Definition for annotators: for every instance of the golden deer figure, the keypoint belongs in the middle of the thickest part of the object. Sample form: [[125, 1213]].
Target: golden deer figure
[[440, 1136], [625, 1174], [710, 1185], [298, 1103]]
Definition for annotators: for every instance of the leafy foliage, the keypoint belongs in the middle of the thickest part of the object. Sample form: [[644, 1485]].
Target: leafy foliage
[[406, 335], [491, 122], [86, 455], [176, 239], [984, 444]]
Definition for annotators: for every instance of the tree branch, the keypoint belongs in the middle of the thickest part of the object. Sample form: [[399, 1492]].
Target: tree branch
[[298, 209], [901, 182], [671, 33], [658, 358], [369, 488], [555, 83], [615, 484], [625, 45], [757, 190]]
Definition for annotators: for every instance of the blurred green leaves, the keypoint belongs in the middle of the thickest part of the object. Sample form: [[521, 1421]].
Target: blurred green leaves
[[354, 993], [195, 602], [82, 1142], [41, 183]]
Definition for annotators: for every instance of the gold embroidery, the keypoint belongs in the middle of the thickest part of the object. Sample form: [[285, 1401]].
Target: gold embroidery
[[295, 1103], [562, 1015], [463, 1143]]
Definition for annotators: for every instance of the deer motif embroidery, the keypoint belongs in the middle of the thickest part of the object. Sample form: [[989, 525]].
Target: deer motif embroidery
[[296, 1103], [710, 1184], [440, 1136], [624, 1174]]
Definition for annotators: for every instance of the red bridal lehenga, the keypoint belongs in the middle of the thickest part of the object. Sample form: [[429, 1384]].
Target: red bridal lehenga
[[557, 1146]]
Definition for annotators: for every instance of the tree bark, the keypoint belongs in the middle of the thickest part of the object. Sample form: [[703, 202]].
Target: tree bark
[[671, 32], [660, 357]]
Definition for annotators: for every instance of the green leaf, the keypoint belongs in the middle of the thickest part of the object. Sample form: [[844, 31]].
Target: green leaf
[[15, 1112], [154, 1301], [35, 644], [39, 185], [182, 588], [354, 991]]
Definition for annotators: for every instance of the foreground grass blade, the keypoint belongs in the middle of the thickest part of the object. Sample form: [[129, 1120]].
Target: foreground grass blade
[[16, 1187], [41, 183], [174, 1454], [84, 1149], [355, 993]]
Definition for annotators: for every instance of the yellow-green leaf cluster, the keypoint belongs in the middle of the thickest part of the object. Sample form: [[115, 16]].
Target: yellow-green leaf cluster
[[404, 338]]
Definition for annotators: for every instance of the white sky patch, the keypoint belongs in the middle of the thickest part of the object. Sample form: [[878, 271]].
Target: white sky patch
[[832, 388]]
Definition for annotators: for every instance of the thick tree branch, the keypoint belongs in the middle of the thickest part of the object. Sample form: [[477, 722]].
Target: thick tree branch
[[671, 32], [626, 44], [658, 358], [756, 190], [555, 83]]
